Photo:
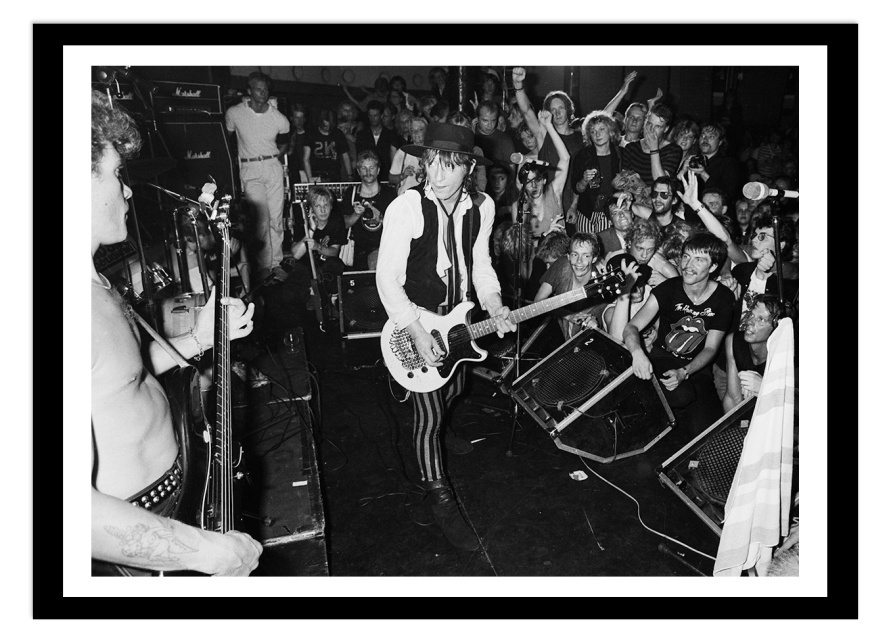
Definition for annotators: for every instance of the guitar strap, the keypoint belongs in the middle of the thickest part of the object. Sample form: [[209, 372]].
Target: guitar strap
[[179, 359]]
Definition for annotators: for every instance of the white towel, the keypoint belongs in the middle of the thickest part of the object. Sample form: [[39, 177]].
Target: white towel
[[757, 509]]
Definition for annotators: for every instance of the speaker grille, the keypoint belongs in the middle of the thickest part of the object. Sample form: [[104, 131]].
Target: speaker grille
[[716, 463], [571, 378], [363, 310]]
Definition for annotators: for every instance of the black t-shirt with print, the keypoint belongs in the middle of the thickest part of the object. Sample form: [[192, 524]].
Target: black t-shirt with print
[[683, 325]]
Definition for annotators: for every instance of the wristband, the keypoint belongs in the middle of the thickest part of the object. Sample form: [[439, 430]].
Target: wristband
[[656, 151], [686, 374]]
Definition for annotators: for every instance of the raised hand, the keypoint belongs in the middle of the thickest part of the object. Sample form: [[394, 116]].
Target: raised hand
[[690, 195], [519, 77], [475, 101], [652, 140], [632, 273], [545, 117], [628, 80]]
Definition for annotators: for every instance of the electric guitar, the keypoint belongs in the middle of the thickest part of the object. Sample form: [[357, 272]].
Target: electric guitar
[[219, 505], [455, 335]]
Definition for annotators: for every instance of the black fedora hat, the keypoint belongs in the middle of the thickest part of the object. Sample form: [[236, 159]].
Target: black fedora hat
[[446, 137]]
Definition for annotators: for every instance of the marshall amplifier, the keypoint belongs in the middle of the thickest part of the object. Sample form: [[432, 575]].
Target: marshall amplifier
[[123, 95], [201, 150], [186, 99], [585, 395]]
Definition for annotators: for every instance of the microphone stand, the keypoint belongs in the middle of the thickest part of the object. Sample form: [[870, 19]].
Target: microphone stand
[[148, 286], [198, 252], [775, 218], [518, 294]]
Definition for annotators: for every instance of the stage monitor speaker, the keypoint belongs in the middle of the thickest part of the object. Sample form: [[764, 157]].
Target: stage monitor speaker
[[361, 312], [700, 474], [201, 150], [587, 398], [536, 341]]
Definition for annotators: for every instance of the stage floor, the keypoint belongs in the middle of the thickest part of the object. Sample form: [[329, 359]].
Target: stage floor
[[532, 517]]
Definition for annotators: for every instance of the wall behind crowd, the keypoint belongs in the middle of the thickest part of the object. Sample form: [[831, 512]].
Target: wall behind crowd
[[762, 97]]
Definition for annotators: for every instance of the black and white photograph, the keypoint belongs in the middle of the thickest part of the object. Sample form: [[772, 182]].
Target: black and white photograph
[[437, 319]]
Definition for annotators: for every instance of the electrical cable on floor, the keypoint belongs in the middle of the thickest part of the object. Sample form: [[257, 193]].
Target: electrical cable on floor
[[363, 502], [658, 533]]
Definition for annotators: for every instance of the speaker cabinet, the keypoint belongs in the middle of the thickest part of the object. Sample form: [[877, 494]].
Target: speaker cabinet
[[361, 312], [587, 398], [201, 150], [700, 474], [536, 341]]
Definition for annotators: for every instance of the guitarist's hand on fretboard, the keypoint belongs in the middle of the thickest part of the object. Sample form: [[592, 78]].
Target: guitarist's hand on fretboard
[[241, 321], [502, 323]]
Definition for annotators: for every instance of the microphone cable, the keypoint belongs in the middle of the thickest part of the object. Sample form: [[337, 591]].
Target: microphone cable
[[658, 533]]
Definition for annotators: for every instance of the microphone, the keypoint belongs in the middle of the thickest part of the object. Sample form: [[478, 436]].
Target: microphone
[[757, 191], [516, 158]]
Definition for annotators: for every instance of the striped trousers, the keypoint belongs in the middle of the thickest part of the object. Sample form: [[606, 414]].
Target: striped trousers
[[430, 411]]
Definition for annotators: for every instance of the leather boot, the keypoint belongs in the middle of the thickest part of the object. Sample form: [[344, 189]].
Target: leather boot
[[448, 516]]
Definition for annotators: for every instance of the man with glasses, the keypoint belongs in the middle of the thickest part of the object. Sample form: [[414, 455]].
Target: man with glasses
[[760, 275], [662, 192]]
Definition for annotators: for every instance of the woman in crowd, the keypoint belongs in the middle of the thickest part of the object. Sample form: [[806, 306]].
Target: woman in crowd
[[593, 171], [543, 209]]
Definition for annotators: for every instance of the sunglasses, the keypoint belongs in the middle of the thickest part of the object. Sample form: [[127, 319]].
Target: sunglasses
[[661, 195]]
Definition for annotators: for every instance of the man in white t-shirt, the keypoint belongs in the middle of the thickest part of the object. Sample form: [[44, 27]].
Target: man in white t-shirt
[[262, 133]]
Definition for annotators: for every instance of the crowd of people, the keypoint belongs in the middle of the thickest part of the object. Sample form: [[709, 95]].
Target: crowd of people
[[551, 199]]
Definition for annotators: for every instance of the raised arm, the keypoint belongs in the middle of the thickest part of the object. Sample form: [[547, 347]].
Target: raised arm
[[519, 80], [690, 196], [351, 97], [623, 91], [559, 180]]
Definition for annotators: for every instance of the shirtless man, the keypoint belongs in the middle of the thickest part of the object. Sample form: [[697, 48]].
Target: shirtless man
[[134, 447]]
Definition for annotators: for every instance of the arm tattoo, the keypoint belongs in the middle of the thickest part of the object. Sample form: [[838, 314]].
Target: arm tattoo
[[151, 544]]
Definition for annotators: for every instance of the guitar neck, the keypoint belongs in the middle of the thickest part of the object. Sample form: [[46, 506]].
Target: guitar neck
[[602, 284], [487, 326], [223, 444]]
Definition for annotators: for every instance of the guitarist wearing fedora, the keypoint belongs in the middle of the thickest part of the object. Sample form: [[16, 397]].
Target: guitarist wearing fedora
[[434, 253], [136, 460]]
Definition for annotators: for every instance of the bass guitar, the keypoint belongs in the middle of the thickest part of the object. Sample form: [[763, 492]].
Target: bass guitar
[[455, 335]]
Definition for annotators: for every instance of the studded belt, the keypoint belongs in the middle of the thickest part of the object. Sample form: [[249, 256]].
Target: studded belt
[[258, 158], [159, 495]]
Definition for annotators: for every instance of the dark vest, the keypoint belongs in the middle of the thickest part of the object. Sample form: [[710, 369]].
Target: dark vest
[[423, 285]]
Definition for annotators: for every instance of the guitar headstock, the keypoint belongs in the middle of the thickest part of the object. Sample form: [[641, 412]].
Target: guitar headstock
[[216, 210], [607, 284]]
